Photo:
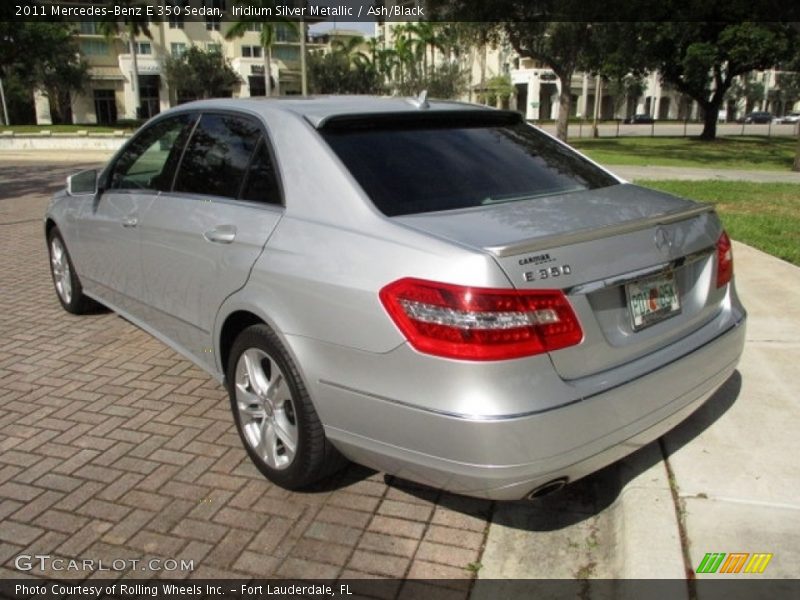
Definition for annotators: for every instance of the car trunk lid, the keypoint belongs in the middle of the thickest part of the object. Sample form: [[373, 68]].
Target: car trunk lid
[[599, 246]]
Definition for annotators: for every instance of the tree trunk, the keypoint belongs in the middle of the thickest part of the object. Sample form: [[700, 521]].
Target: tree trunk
[[796, 165], [711, 113], [268, 71], [564, 104]]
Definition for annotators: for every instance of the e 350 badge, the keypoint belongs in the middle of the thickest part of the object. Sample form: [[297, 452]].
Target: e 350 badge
[[545, 272]]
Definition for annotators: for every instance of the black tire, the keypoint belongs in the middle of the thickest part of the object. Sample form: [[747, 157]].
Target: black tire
[[299, 453], [65, 280]]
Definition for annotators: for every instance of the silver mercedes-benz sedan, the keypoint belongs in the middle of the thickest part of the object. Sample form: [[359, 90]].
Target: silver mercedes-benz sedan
[[433, 289]]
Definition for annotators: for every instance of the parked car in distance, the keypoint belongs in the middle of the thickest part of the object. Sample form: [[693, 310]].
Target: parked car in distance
[[433, 289], [793, 117], [640, 119], [757, 117]]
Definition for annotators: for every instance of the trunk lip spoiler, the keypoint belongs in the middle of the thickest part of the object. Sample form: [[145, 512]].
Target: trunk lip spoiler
[[588, 235]]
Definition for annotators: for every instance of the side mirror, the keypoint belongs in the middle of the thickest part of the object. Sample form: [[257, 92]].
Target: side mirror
[[83, 183]]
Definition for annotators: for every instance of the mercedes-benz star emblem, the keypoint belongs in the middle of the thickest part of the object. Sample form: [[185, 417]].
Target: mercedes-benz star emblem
[[663, 240]]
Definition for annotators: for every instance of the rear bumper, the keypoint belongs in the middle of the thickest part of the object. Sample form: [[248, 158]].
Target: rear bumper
[[520, 454]]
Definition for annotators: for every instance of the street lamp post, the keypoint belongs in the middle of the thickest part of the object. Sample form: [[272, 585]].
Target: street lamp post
[[597, 98], [303, 73], [3, 100]]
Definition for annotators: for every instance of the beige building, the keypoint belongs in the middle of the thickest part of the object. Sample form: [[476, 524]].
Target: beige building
[[111, 96]]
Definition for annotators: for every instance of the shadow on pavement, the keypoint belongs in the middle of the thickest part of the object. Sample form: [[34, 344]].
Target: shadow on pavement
[[24, 179], [593, 494]]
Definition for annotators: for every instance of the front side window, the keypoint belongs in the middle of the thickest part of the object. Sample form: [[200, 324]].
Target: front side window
[[407, 168], [149, 161], [217, 156]]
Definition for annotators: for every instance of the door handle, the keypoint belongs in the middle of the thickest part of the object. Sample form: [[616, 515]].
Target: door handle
[[130, 221], [223, 234]]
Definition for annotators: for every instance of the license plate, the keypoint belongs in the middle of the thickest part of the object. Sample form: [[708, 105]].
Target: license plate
[[652, 300]]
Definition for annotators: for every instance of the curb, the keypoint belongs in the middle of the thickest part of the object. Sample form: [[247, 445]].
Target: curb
[[646, 519], [636, 536]]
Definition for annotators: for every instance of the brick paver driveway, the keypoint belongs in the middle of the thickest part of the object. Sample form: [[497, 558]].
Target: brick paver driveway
[[113, 447]]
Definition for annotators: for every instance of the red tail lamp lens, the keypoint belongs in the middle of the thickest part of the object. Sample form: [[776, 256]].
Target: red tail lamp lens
[[470, 323], [724, 260]]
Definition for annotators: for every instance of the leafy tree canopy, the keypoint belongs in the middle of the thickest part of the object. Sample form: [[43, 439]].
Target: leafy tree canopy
[[201, 74], [701, 59], [40, 55]]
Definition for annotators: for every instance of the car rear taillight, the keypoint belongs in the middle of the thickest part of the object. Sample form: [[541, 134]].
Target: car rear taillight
[[724, 260], [470, 323]]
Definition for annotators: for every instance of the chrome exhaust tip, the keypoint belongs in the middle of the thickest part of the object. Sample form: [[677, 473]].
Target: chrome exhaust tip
[[548, 488]]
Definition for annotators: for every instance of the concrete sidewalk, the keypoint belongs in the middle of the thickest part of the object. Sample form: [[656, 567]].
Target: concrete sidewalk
[[725, 480], [633, 173], [736, 462]]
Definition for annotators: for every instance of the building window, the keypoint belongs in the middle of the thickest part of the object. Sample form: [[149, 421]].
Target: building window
[[105, 107], [258, 87], [256, 27], [251, 51], [283, 33], [149, 93], [176, 17], [214, 48], [88, 28], [286, 53], [94, 48], [178, 49], [214, 23], [144, 48]]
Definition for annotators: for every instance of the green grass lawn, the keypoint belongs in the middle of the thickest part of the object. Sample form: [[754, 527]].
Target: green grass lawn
[[763, 215], [747, 152]]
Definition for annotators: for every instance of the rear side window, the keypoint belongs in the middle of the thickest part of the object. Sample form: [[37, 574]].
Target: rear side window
[[217, 156], [261, 184], [407, 169]]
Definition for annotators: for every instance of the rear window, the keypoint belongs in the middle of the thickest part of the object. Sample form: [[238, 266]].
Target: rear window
[[408, 168]]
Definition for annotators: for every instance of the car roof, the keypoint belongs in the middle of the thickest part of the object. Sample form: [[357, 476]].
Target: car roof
[[317, 110]]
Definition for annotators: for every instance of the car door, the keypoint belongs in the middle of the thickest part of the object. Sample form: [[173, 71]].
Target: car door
[[200, 240], [108, 231]]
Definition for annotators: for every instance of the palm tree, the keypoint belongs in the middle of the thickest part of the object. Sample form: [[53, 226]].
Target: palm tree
[[131, 27], [404, 52], [349, 46], [267, 30], [427, 34]]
